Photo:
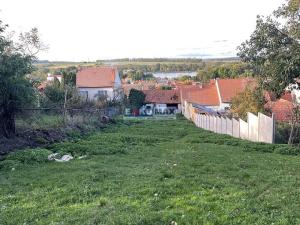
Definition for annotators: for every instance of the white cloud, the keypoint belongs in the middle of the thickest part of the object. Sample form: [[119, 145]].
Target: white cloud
[[94, 29]]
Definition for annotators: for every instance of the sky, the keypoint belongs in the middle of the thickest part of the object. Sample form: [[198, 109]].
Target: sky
[[87, 30]]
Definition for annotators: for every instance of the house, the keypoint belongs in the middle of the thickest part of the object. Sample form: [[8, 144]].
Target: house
[[213, 97], [295, 90], [282, 108], [229, 88], [161, 102], [204, 96], [95, 82], [138, 85]]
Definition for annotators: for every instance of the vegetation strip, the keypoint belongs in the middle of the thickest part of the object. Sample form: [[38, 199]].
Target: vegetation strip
[[151, 172]]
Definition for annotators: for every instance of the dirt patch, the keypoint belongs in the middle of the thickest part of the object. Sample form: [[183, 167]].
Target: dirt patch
[[43, 138]]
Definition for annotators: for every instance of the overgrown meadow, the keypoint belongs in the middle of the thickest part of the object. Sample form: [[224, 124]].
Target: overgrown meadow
[[152, 172]]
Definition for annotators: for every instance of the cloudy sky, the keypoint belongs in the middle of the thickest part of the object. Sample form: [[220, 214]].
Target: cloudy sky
[[80, 30]]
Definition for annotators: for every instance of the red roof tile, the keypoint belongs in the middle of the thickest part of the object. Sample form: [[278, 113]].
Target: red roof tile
[[185, 89], [281, 108], [207, 95], [231, 87], [96, 77], [287, 96], [162, 96], [141, 86]]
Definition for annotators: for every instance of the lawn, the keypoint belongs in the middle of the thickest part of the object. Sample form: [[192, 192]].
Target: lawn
[[152, 172]]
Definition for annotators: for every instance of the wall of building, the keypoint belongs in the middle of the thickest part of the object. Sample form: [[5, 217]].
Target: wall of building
[[92, 92]]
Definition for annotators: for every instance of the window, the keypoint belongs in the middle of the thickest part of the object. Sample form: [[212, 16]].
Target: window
[[102, 93], [84, 95]]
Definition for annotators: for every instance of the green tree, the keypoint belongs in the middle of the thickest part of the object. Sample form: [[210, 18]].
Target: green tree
[[136, 98], [247, 101], [274, 48], [69, 76], [15, 89], [54, 93]]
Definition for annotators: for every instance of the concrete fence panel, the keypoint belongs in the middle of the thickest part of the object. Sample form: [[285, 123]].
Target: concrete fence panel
[[229, 126], [259, 128], [201, 121], [207, 122], [266, 128], [218, 125], [244, 131], [235, 128], [215, 123], [213, 127], [252, 127], [223, 125], [211, 123]]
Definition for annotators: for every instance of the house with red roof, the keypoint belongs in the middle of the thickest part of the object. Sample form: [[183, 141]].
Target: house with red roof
[[214, 97], [282, 108], [229, 88], [95, 82], [161, 102]]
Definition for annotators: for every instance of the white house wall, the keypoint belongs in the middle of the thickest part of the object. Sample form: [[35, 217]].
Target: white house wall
[[92, 92]]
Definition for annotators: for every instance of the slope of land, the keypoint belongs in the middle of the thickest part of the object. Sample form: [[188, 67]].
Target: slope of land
[[152, 172]]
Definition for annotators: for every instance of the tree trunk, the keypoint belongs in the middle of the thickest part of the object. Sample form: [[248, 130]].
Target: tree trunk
[[291, 133], [7, 124], [65, 106]]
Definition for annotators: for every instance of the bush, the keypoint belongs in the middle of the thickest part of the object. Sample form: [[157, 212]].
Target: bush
[[287, 150], [29, 156], [283, 132], [8, 164]]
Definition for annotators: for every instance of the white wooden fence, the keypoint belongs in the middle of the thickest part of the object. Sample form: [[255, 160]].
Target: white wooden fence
[[259, 128]]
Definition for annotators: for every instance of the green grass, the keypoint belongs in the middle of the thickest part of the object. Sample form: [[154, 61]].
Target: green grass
[[40, 121], [152, 172]]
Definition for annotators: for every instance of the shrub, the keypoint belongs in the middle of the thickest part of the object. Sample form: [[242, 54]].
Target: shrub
[[283, 132], [287, 150], [30, 156], [8, 164]]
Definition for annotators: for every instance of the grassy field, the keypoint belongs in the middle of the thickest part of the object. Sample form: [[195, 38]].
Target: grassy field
[[152, 172]]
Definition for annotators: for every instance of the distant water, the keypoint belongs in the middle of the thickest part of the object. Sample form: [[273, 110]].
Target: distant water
[[174, 74]]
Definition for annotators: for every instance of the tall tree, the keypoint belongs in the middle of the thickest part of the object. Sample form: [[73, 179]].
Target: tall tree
[[136, 98], [274, 48], [15, 89]]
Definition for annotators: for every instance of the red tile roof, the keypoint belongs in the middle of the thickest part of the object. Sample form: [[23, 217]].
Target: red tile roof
[[287, 96], [281, 108], [269, 96], [96, 77], [162, 96], [208, 95], [231, 87], [185, 89], [142, 86]]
